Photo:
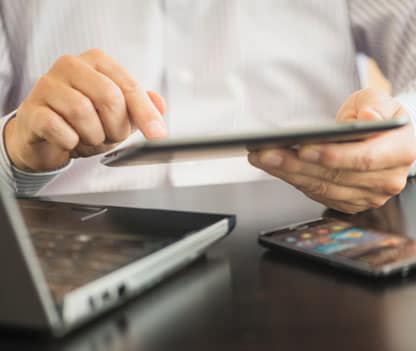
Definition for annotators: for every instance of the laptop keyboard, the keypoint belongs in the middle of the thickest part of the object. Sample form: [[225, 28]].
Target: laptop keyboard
[[72, 259]]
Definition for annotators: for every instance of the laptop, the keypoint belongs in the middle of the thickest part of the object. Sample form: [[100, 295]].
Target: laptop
[[63, 264]]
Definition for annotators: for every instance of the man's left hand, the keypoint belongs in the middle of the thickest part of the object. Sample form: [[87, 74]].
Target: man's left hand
[[353, 176]]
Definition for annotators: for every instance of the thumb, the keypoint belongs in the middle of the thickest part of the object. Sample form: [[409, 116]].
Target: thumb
[[368, 105], [368, 113]]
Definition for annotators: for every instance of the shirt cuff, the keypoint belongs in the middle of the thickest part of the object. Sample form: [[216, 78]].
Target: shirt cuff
[[408, 102], [22, 182]]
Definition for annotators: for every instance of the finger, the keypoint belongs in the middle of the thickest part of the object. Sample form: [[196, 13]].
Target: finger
[[77, 110], [390, 149], [341, 206], [334, 193], [158, 101], [104, 94], [389, 181], [47, 125], [324, 189], [141, 109], [368, 104], [83, 150]]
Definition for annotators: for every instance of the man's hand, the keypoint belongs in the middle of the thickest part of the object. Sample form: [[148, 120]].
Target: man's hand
[[354, 176], [83, 105]]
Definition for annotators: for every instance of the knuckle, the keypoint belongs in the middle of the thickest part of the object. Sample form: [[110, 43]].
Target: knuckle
[[95, 53], [72, 144], [81, 108], [335, 175], [364, 162], [93, 139], [329, 157], [377, 201], [121, 134], [129, 85], [96, 140], [352, 209], [66, 62], [395, 185], [46, 124], [318, 188], [111, 99], [288, 165], [52, 129]]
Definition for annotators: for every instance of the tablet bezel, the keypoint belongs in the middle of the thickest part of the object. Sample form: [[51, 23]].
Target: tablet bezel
[[221, 146]]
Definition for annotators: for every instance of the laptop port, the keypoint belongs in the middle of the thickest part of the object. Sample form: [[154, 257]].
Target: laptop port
[[122, 291], [106, 296], [91, 303]]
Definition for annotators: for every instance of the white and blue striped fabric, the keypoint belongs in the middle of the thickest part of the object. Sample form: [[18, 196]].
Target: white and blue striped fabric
[[223, 66]]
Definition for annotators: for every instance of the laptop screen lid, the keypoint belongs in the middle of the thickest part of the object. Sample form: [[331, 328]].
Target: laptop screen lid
[[28, 300], [25, 300]]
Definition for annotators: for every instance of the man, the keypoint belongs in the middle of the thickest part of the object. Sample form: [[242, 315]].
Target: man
[[223, 66]]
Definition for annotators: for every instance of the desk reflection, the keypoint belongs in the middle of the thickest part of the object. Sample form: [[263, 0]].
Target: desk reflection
[[381, 309], [397, 215], [157, 317]]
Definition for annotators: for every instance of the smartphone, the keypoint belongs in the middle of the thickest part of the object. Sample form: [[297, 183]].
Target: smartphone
[[185, 149], [344, 245]]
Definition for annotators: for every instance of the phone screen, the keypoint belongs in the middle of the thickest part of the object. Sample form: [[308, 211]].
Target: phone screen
[[342, 241]]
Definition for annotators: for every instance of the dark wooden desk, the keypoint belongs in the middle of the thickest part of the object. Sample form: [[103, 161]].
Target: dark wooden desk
[[242, 298]]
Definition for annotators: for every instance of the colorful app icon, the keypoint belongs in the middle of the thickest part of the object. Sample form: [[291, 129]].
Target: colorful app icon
[[305, 243], [306, 235], [290, 239], [322, 231], [338, 227], [324, 240], [391, 242], [347, 234], [355, 234], [333, 247]]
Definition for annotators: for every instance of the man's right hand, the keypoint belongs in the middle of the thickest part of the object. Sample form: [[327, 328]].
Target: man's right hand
[[82, 106]]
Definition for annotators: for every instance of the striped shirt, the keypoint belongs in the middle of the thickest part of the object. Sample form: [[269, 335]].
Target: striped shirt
[[223, 66]]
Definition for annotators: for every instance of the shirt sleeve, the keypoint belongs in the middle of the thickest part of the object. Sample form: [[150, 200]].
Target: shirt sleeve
[[386, 30]]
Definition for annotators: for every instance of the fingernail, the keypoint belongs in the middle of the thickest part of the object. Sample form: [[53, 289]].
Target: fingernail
[[156, 129], [272, 159], [309, 154], [373, 113]]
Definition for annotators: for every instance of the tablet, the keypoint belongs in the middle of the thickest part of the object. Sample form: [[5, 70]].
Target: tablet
[[187, 149]]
